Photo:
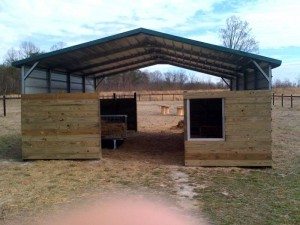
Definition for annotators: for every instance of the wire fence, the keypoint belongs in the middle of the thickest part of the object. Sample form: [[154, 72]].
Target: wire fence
[[277, 100]]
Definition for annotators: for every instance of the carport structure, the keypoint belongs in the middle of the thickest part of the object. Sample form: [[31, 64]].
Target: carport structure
[[231, 128], [140, 48]]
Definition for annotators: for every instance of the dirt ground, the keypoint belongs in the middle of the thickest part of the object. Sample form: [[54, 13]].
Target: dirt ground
[[149, 163]]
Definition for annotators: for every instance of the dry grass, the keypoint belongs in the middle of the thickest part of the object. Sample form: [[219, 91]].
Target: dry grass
[[287, 91], [144, 164]]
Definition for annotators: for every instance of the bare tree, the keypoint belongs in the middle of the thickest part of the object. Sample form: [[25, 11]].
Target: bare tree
[[238, 35], [284, 83], [28, 49], [58, 45], [9, 76], [11, 56]]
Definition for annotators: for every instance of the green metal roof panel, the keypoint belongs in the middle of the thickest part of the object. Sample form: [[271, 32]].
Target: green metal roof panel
[[273, 62]]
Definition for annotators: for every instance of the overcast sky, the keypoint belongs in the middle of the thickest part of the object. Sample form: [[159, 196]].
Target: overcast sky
[[275, 23]]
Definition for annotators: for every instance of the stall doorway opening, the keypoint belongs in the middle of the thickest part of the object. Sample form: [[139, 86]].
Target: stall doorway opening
[[158, 138]]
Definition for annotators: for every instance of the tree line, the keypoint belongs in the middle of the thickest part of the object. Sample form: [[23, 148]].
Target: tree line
[[139, 80], [10, 76]]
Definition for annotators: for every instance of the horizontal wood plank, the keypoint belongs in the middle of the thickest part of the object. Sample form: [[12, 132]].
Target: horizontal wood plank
[[60, 126], [247, 125]]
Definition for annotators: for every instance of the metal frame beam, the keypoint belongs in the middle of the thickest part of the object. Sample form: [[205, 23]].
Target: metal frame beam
[[22, 80], [255, 79], [97, 83], [155, 50], [159, 61], [245, 80], [117, 60], [126, 64], [83, 83], [225, 81], [170, 58], [48, 78], [204, 67], [171, 62], [68, 83], [205, 56], [24, 75], [123, 70], [30, 70], [261, 70], [267, 76], [104, 54]]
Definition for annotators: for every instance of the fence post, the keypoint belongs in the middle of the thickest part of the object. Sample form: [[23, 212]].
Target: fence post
[[4, 105], [281, 100], [273, 98], [291, 101]]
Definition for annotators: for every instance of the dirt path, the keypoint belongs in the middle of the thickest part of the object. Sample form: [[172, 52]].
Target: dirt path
[[184, 188]]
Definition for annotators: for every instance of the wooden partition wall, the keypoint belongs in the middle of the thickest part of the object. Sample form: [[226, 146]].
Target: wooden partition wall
[[247, 131], [60, 126]]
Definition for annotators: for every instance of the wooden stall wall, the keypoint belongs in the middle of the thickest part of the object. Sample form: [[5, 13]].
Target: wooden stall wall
[[60, 126], [247, 131]]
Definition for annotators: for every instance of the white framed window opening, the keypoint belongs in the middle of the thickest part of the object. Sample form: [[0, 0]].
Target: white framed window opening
[[205, 119]]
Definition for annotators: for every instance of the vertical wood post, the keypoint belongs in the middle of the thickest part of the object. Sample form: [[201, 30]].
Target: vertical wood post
[[273, 98], [281, 100], [4, 105], [114, 95], [291, 101]]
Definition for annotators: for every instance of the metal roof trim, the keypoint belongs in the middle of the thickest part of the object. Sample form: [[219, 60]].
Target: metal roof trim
[[275, 62]]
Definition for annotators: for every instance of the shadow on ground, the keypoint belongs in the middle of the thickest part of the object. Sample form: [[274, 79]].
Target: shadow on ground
[[10, 147], [166, 148]]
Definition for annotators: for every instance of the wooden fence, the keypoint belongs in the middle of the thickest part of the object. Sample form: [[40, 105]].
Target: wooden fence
[[148, 97], [285, 100], [4, 101], [289, 99]]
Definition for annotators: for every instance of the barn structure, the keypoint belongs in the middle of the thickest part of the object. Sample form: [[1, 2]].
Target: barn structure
[[60, 108]]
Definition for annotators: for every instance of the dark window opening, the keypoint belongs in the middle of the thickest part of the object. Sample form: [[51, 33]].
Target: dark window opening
[[206, 118]]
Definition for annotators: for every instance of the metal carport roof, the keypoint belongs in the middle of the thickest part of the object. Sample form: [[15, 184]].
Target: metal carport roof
[[141, 48]]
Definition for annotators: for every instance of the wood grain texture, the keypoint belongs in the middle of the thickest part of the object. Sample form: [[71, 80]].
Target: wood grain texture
[[60, 126], [247, 131]]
